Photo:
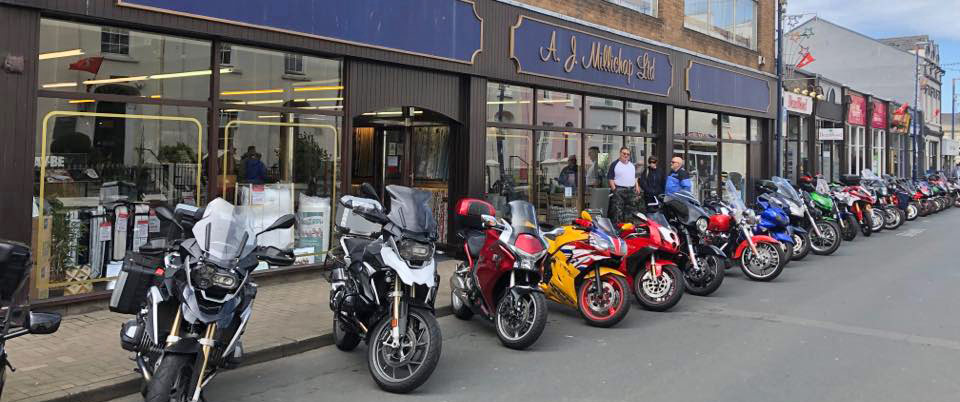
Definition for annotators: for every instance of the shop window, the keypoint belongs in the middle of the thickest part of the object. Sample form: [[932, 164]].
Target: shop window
[[734, 128], [509, 166], [702, 124], [648, 7], [639, 118], [756, 133], [92, 160], [734, 164], [558, 166], [703, 162], [679, 122], [309, 83], [153, 66], [560, 109], [115, 40], [878, 152], [226, 55], [734, 21], [284, 163], [509, 104], [602, 150], [604, 114]]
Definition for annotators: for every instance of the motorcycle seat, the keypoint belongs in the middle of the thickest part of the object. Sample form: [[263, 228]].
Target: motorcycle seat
[[355, 247], [474, 240]]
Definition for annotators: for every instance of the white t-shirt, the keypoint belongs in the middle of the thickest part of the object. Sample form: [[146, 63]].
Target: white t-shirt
[[624, 174]]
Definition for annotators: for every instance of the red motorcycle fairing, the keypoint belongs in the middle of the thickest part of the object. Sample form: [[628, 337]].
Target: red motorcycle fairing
[[756, 239], [492, 263]]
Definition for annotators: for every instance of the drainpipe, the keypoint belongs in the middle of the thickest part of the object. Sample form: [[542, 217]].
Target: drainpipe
[[781, 5]]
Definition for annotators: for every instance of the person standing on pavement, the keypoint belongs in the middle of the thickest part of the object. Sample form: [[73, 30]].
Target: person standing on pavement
[[678, 179], [624, 188], [651, 181]]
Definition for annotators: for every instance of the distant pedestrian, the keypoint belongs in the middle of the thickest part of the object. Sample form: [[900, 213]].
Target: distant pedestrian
[[568, 176], [651, 181], [624, 188], [678, 179]]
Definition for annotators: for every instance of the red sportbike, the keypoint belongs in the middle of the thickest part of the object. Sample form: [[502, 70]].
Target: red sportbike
[[861, 203], [650, 264]]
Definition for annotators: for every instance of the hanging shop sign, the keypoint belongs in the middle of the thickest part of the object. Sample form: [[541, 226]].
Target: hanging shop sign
[[878, 117], [857, 110], [548, 50], [444, 29], [830, 134], [949, 147], [798, 103], [723, 87]]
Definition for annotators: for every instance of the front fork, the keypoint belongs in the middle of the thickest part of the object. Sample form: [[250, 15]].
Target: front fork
[[398, 318], [816, 228], [693, 254], [206, 343], [748, 234]]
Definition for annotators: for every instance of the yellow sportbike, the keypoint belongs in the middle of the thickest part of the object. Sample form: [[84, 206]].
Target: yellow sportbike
[[581, 270]]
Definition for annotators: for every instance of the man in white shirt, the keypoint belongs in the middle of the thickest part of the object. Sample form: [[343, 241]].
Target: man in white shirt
[[622, 177]]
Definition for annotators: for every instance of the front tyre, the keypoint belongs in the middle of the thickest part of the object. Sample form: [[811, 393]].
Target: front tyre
[[659, 294], [604, 307], [912, 211], [520, 322], [172, 379], [344, 339], [801, 246], [895, 216], [766, 265], [867, 226], [829, 242], [403, 367], [853, 227], [878, 219], [707, 279]]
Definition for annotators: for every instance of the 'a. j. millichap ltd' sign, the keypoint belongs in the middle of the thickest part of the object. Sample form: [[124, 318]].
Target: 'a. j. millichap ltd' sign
[[544, 49]]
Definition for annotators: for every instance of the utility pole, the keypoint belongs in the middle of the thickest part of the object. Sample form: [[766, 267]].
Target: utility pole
[[916, 107], [781, 7]]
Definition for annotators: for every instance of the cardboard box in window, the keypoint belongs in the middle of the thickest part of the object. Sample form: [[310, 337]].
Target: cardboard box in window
[[40, 248]]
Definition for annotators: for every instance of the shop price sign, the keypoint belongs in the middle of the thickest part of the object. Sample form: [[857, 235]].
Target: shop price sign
[[857, 110], [548, 50]]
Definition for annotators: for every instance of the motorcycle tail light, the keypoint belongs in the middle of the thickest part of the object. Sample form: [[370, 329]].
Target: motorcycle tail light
[[529, 244]]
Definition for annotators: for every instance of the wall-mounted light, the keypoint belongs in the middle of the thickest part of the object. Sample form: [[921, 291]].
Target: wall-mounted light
[[805, 92], [820, 97], [796, 91], [812, 94]]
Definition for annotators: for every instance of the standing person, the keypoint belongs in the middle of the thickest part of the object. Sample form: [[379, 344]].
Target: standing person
[[256, 171], [594, 175], [651, 181], [568, 176], [624, 188], [678, 179]]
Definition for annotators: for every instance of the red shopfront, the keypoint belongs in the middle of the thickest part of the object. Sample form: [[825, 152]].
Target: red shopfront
[[879, 156], [855, 133]]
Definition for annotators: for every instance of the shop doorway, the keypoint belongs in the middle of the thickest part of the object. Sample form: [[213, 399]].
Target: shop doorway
[[405, 146]]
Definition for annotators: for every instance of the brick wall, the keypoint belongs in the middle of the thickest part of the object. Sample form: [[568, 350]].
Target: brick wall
[[668, 28]]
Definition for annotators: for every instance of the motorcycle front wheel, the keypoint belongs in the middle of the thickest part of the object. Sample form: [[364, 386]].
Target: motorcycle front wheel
[[520, 322], [896, 216], [912, 211], [766, 266], [851, 229], [801, 246], [878, 219], [829, 242], [604, 307], [403, 367], [956, 201], [867, 225], [171, 382], [659, 294], [708, 279]]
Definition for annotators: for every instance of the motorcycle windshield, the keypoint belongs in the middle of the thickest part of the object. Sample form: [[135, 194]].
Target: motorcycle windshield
[[786, 189], [223, 233], [603, 223], [731, 196], [410, 210], [523, 218], [684, 206], [822, 186], [659, 218], [868, 174]]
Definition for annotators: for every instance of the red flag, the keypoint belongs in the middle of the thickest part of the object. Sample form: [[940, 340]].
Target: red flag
[[936, 112], [806, 60], [89, 64]]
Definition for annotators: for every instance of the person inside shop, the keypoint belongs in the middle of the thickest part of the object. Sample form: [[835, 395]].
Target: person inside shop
[[651, 181], [568, 175], [624, 188], [678, 179], [594, 178], [254, 169]]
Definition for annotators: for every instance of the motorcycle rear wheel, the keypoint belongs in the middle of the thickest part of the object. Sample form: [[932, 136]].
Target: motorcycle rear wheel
[[607, 308], [709, 280], [422, 341], [772, 264], [801, 246], [659, 294], [171, 382], [533, 313], [830, 242], [853, 227]]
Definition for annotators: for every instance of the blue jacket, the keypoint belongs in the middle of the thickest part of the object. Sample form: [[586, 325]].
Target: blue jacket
[[676, 181]]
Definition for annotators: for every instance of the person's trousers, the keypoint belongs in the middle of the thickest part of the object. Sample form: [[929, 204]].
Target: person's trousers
[[623, 204]]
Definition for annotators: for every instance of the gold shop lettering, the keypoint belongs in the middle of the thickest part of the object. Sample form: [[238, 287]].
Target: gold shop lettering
[[602, 58]]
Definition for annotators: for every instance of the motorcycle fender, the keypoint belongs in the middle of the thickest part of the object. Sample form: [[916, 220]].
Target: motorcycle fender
[[783, 237], [184, 346], [709, 249], [757, 239], [420, 276], [521, 290], [603, 272], [797, 229], [658, 267]]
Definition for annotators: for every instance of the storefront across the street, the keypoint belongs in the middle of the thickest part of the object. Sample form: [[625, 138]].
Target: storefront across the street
[[141, 103]]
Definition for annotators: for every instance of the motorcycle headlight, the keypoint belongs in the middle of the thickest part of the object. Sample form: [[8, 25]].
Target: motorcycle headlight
[[207, 276], [226, 280], [702, 225], [527, 264], [411, 250]]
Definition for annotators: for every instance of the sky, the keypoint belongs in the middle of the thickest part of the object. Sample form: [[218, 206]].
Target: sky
[[886, 18]]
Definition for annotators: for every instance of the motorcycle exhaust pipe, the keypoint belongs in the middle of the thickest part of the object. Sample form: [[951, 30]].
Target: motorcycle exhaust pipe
[[144, 371]]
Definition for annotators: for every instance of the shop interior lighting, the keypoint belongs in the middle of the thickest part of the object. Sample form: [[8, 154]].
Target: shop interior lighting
[[805, 92], [65, 53], [820, 97], [508, 102], [796, 91], [269, 116], [253, 92], [59, 85], [82, 101], [321, 88], [158, 76]]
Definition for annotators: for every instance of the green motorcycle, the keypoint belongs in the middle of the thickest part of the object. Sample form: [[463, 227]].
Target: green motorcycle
[[826, 215]]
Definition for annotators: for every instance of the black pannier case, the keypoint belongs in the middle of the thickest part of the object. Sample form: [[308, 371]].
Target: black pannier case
[[850, 179], [136, 276]]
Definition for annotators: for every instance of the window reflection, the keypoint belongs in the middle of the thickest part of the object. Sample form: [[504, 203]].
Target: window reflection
[[558, 167], [604, 114], [509, 104], [269, 78], [559, 109], [508, 166]]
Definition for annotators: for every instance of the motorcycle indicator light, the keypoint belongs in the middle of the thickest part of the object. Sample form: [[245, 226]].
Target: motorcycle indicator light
[[529, 244]]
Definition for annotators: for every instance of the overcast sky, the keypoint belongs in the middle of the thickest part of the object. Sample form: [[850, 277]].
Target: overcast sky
[[884, 18]]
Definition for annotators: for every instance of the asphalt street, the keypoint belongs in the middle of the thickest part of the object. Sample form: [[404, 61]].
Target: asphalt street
[[875, 322]]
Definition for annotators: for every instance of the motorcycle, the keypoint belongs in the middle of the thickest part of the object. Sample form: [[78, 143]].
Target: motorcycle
[[383, 285], [650, 264], [702, 264], [192, 299], [885, 207], [581, 270], [501, 278], [15, 319], [860, 202], [823, 235], [818, 199], [910, 197], [774, 220], [761, 257]]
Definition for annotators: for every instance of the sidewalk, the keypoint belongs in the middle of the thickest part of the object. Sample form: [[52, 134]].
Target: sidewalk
[[83, 361]]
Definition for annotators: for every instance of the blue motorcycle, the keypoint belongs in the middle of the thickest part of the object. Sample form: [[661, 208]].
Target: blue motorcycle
[[774, 220]]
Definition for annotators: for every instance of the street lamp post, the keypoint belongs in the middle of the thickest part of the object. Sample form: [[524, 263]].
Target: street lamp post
[[781, 7], [916, 106]]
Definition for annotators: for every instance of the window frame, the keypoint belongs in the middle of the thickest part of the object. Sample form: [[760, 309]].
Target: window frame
[[711, 29], [654, 6], [122, 35]]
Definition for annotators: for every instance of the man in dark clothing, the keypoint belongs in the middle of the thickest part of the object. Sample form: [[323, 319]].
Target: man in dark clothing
[[255, 170], [651, 181], [622, 177], [568, 176]]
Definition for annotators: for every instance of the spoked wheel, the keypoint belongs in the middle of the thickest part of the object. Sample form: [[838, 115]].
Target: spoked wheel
[[707, 278], [659, 294], [520, 320], [852, 227], [801, 246], [404, 366], [956, 201], [878, 219], [829, 242], [896, 218], [603, 307], [912, 211], [764, 266], [171, 381]]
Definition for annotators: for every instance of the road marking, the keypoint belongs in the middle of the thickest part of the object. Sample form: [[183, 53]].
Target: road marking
[[911, 232], [831, 326]]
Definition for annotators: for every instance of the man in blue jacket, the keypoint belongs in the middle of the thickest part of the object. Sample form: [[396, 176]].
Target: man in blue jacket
[[678, 179]]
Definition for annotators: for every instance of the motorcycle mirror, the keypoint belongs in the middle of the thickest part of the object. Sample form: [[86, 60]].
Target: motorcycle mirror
[[488, 221], [368, 190], [555, 232], [583, 223], [641, 216], [164, 212], [284, 222], [42, 323], [586, 216]]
